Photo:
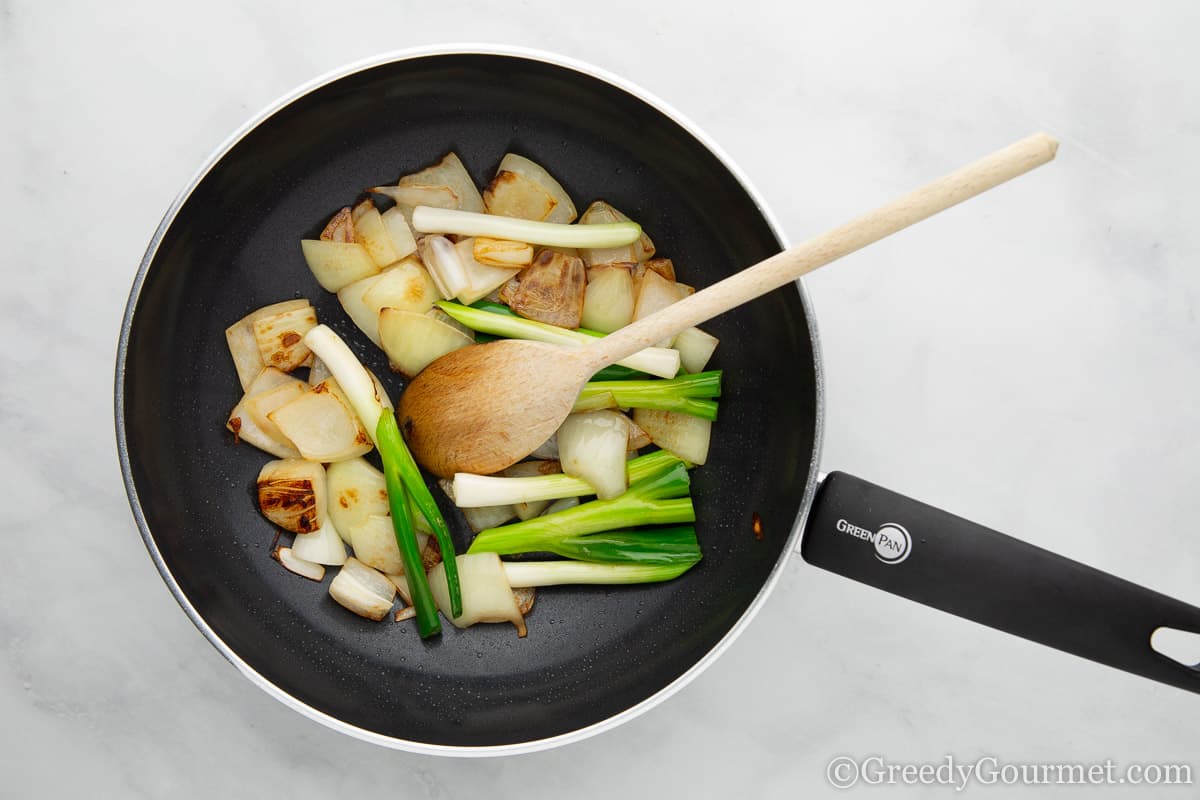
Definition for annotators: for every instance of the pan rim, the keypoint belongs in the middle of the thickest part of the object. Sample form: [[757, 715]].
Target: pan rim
[[261, 681]]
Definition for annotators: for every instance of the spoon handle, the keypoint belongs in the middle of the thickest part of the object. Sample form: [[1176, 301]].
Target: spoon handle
[[962, 184]]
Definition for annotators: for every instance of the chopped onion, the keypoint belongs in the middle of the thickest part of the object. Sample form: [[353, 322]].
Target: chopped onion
[[363, 590], [291, 493], [340, 227], [592, 446], [483, 278], [655, 294], [293, 563], [547, 449], [638, 438], [244, 347], [322, 425], [260, 405], [414, 341], [480, 518], [280, 337], [523, 188], [322, 546], [402, 235], [525, 597], [608, 302], [351, 298], [695, 349], [401, 584], [682, 434], [370, 231], [408, 612], [443, 317], [374, 543], [446, 184], [601, 213], [356, 491], [444, 265], [317, 372], [337, 264], [406, 285], [486, 595], [513, 195], [247, 429], [500, 252], [561, 505], [530, 469]]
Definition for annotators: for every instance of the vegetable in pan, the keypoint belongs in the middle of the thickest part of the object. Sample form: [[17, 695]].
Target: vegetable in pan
[[446, 267], [659, 499]]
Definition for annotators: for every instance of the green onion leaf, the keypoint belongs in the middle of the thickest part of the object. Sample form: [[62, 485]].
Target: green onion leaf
[[688, 394], [391, 446], [428, 623], [675, 545], [656, 500]]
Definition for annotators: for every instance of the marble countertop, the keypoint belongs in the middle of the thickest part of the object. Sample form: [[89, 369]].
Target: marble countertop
[[1028, 361]]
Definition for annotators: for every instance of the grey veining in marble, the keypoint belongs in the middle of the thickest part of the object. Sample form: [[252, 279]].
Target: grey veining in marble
[[1029, 360]]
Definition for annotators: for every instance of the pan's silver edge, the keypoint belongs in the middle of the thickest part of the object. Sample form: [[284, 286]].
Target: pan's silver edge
[[262, 682]]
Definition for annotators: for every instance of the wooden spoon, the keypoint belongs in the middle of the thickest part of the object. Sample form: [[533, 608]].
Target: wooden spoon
[[485, 407]]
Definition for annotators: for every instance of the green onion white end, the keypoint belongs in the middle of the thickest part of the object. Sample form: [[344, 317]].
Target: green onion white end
[[427, 219], [351, 375]]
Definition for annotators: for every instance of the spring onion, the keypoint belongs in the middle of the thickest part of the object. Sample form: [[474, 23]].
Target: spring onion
[[523, 574], [660, 361], [675, 545], [428, 623], [362, 393], [426, 219], [688, 394], [613, 372], [658, 499], [479, 491]]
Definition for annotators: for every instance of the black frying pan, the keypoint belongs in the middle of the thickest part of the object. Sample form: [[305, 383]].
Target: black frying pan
[[594, 656]]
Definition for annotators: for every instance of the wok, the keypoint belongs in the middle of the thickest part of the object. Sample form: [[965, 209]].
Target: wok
[[595, 656]]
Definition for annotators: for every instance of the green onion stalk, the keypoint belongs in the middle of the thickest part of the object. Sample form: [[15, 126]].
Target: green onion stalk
[[387, 435], [613, 372], [523, 574], [356, 382], [674, 545], [662, 362], [687, 394], [660, 499], [426, 219], [477, 491]]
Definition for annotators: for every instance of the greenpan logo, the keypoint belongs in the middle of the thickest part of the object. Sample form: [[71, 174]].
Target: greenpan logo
[[892, 542]]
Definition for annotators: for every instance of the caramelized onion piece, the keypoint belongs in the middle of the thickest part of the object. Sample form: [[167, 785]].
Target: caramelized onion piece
[[550, 290]]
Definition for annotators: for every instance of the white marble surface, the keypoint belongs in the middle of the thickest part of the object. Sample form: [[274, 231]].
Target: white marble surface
[[1029, 361]]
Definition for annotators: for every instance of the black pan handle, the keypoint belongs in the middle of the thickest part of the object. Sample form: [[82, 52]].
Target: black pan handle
[[911, 549]]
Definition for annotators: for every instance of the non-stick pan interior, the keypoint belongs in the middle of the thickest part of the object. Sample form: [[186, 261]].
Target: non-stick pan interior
[[591, 653]]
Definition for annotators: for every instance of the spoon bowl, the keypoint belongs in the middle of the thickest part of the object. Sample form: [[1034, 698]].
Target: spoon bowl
[[461, 413]]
